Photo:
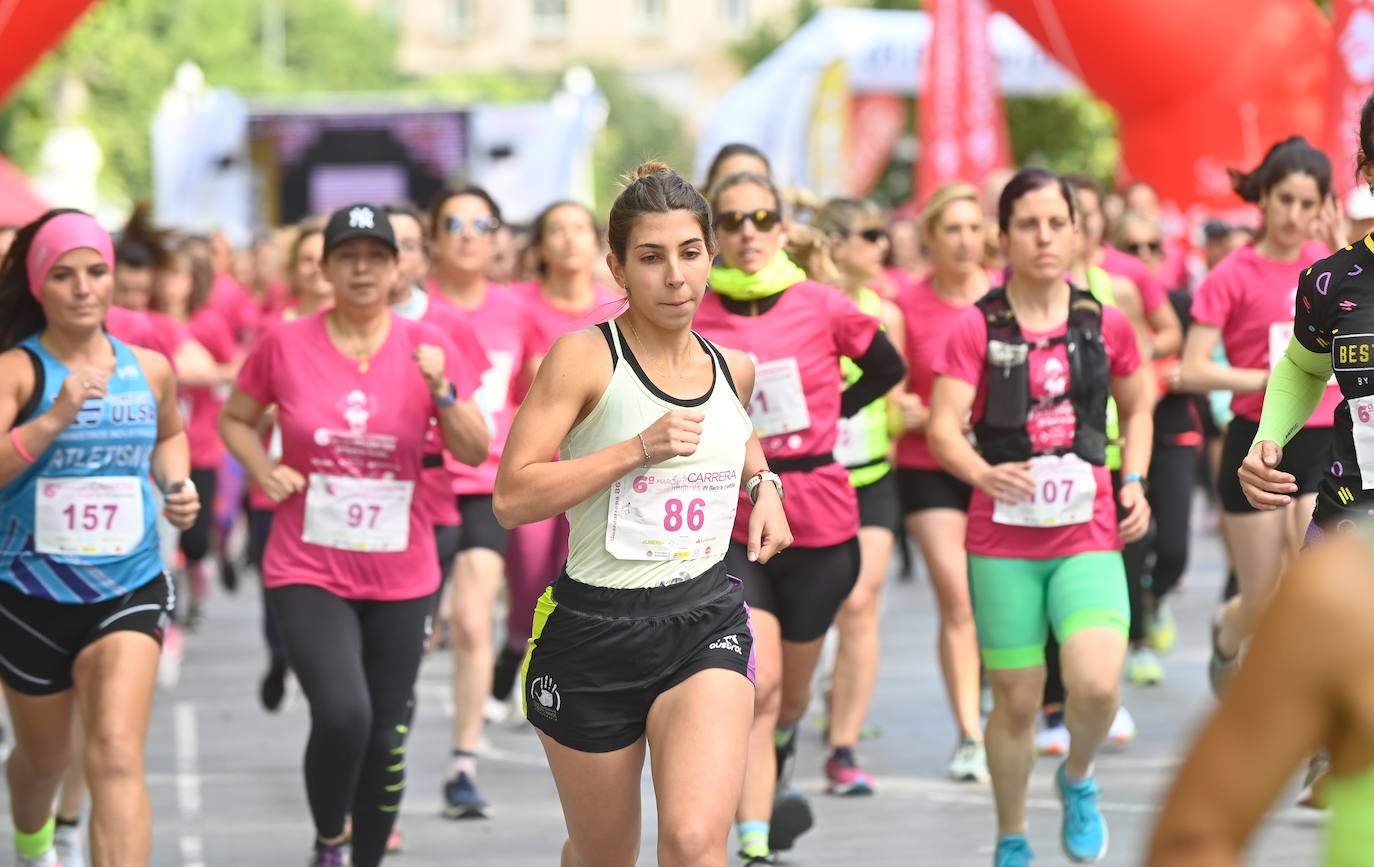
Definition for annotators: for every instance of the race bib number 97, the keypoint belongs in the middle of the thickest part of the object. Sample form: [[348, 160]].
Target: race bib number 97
[[366, 515]]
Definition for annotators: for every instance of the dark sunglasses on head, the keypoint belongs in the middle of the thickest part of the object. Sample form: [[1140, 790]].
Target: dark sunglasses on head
[[733, 221], [1141, 248], [480, 225]]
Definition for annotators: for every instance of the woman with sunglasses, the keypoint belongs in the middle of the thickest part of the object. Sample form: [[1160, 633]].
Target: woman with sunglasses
[[93, 425], [856, 242], [1247, 303], [934, 503], [797, 330], [462, 228]]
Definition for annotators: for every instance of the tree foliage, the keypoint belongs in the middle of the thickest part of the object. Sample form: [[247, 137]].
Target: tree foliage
[[127, 51]]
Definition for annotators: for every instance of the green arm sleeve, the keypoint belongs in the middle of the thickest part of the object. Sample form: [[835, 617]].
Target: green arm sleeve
[[1295, 388]]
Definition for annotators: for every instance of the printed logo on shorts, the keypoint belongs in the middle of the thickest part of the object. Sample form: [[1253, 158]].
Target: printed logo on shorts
[[729, 642], [544, 696]]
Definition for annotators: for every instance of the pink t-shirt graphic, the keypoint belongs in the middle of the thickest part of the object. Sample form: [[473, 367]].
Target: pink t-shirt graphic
[[357, 433]]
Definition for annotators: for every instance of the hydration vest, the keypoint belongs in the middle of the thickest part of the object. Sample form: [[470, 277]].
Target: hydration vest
[[1001, 432]]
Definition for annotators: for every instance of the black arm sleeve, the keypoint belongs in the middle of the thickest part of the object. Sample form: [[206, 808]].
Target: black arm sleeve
[[882, 368]]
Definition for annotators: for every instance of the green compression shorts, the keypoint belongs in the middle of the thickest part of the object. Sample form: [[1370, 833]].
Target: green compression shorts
[[1015, 601]]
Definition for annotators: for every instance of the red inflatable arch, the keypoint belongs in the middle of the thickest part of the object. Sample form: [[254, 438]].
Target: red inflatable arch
[[1198, 86], [28, 28]]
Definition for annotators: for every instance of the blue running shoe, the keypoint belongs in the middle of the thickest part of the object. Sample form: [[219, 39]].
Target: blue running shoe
[[1013, 850], [463, 801], [1085, 831]]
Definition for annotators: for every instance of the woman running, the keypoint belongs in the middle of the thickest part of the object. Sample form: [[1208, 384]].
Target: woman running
[[1032, 365], [308, 292], [1247, 303], [93, 425], [797, 331], [565, 298], [736, 158], [350, 568], [1311, 695], [644, 640], [934, 502], [180, 294], [856, 241], [462, 224]]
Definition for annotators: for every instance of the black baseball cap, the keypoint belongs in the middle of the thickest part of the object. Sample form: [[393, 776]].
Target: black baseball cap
[[359, 220]]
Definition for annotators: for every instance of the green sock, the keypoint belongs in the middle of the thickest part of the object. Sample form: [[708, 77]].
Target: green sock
[[781, 737], [35, 844], [753, 839]]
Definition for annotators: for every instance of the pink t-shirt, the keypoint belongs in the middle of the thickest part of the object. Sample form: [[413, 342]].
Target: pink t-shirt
[[1051, 427], [237, 305], [340, 420], [553, 323], [796, 346], [930, 320], [511, 338], [436, 488], [1253, 300], [136, 329], [211, 331], [1152, 291]]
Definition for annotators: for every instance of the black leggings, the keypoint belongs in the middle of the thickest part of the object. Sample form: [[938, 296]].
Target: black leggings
[[195, 541], [356, 662], [1173, 476]]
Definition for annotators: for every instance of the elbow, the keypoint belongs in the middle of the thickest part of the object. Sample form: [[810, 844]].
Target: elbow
[[473, 454], [507, 515]]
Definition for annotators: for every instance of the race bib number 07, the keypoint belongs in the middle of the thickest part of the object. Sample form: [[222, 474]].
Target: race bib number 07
[[1065, 491]]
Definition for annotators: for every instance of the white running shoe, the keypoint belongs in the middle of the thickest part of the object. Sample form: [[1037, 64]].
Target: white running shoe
[[494, 711], [169, 667], [71, 851], [970, 762], [1053, 741], [47, 859], [1123, 727]]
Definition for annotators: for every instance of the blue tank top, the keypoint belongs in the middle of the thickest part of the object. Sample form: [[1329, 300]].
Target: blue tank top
[[78, 526]]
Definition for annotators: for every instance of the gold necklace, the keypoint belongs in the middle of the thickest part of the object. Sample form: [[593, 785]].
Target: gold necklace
[[652, 357]]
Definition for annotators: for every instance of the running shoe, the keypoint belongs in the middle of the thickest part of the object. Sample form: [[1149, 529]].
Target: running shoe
[[791, 818], [1143, 667], [1310, 795], [395, 844], [1013, 850], [1162, 631], [70, 849], [844, 776], [1084, 834], [228, 577], [326, 856], [1220, 670], [169, 667], [494, 711], [272, 689], [1053, 737], [463, 801], [970, 762], [1123, 729], [757, 859], [47, 859]]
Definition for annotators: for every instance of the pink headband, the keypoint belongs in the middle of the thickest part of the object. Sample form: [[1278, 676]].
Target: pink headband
[[59, 236]]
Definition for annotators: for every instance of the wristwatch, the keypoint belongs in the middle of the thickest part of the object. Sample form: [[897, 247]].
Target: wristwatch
[[1136, 477], [751, 487], [448, 399]]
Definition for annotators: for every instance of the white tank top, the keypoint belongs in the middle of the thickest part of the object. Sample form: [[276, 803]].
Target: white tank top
[[670, 522]]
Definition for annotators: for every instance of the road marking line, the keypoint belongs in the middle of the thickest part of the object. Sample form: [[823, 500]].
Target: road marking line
[[188, 781]]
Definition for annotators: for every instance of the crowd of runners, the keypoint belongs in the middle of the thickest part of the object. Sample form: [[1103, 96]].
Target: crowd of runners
[[681, 453]]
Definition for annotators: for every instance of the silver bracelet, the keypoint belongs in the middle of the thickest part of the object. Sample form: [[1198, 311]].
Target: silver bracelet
[[648, 455]]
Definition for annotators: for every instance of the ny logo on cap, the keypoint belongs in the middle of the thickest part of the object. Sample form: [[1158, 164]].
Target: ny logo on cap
[[360, 218]]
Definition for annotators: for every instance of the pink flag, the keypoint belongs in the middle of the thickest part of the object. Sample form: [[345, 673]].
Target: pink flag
[[1352, 80]]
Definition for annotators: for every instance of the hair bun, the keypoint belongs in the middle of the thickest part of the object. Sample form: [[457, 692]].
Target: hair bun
[[646, 168]]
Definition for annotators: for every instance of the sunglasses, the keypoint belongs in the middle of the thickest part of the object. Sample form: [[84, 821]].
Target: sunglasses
[[733, 221], [480, 225], [1141, 248], [872, 236]]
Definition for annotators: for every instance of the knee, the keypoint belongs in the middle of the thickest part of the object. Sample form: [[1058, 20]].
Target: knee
[[1018, 705], [767, 697], [346, 724], [690, 844], [1095, 694], [791, 708], [112, 757], [471, 630]]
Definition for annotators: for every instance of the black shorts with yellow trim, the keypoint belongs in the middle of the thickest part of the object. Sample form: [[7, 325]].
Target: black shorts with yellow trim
[[599, 657]]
